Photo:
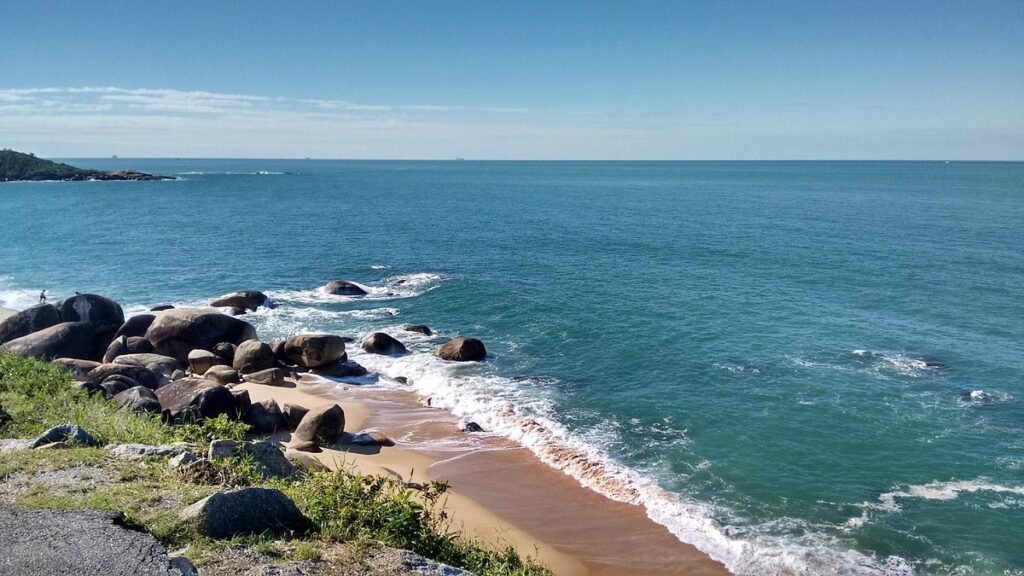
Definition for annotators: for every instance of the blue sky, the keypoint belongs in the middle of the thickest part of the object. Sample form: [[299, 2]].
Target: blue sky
[[530, 80]]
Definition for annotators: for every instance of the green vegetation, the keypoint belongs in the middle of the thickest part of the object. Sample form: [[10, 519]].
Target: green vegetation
[[344, 507], [20, 166]]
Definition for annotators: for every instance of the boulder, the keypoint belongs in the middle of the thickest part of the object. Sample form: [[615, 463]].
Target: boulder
[[223, 375], [242, 402], [65, 433], [225, 351], [140, 451], [322, 425], [462, 350], [243, 299], [185, 457], [64, 340], [265, 417], [381, 343], [343, 288], [293, 414], [156, 362], [253, 356], [79, 368], [202, 360], [115, 384], [268, 377], [266, 455], [177, 332], [135, 326], [139, 345], [471, 427], [192, 399], [314, 350], [161, 308], [236, 311], [347, 369], [90, 388], [371, 438], [105, 316], [138, 399], [177, 375], [244, 511], [418, 328], [118, 347], [141, 375], [28, 321]]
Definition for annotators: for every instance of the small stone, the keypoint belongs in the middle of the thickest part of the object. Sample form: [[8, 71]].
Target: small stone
[[471, 427], [182, 459], [65, 432], [139, 451]]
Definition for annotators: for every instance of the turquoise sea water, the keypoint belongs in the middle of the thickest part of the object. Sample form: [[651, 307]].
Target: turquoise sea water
[[805, 366]]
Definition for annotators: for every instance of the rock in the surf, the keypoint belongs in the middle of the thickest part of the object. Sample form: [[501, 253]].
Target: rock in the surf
[[28, 321], [462, 349], [314, 350], [343, 288], [347, 369], [177, 332], [243, 299], [381, 343], [253, 356], [418, 328]]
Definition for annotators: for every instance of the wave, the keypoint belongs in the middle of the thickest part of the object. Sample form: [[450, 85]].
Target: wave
[[17, 298], [390, 288], [256, 173], [519, 410]]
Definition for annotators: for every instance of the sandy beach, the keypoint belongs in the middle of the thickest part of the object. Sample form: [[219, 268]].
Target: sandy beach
[[500, 492]]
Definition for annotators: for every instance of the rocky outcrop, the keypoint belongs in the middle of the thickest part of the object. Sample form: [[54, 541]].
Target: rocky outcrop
[[28, 321], [462, 349], [64, 340], [244, 511], [314, 350], [381, 343], [177, 332], [253, 356], [192, 399], [321, 425], [244, 299], [343, 288]]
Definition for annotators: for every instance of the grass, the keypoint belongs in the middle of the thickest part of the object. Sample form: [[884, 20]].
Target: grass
[[344, 507]]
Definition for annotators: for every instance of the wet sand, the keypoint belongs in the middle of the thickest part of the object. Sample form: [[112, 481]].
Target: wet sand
[[501, 492]]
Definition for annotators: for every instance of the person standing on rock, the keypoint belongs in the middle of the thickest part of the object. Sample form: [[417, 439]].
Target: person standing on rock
[[42, 297]]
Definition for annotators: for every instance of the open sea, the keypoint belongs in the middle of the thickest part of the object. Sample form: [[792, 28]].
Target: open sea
[[798, 367]]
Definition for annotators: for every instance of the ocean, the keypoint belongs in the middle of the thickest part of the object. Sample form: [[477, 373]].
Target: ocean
[[798, 367]]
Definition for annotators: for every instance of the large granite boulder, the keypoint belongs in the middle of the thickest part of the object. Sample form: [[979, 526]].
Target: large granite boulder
[[156, 362], [64, 340], [314, 350], [105, 316], [138, 399], [192, 399], [78, 368], [253, 356], [115, 384], [381, 343], [244, 299], [343, 288], [265, 417], [117, 347], [225, 351], [135, 326], [141, 375], [321, 425], [202, 360], [223, 375], [178, 331], [268, 377], [462, 350], [244, 511], [28, 321]]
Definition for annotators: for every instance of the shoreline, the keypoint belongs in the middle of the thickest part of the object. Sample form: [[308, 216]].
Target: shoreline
[[500, 492]]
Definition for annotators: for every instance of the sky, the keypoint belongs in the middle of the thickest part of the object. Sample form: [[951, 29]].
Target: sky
[[483, 79]]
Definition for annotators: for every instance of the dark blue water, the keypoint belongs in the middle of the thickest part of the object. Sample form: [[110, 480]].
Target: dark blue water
[[811, 366]]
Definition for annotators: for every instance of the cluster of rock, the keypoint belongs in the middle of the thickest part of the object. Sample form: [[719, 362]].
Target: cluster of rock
[[183, 363]]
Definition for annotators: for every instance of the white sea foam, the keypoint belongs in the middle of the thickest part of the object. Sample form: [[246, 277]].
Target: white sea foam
[[16, 298], [518, 410], [256, 173], [950, 490], [392, 288]]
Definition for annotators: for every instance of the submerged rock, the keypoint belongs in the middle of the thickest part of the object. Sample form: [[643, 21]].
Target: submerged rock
[[347, 369], [243, 299], [418, 328], [343, 288]]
